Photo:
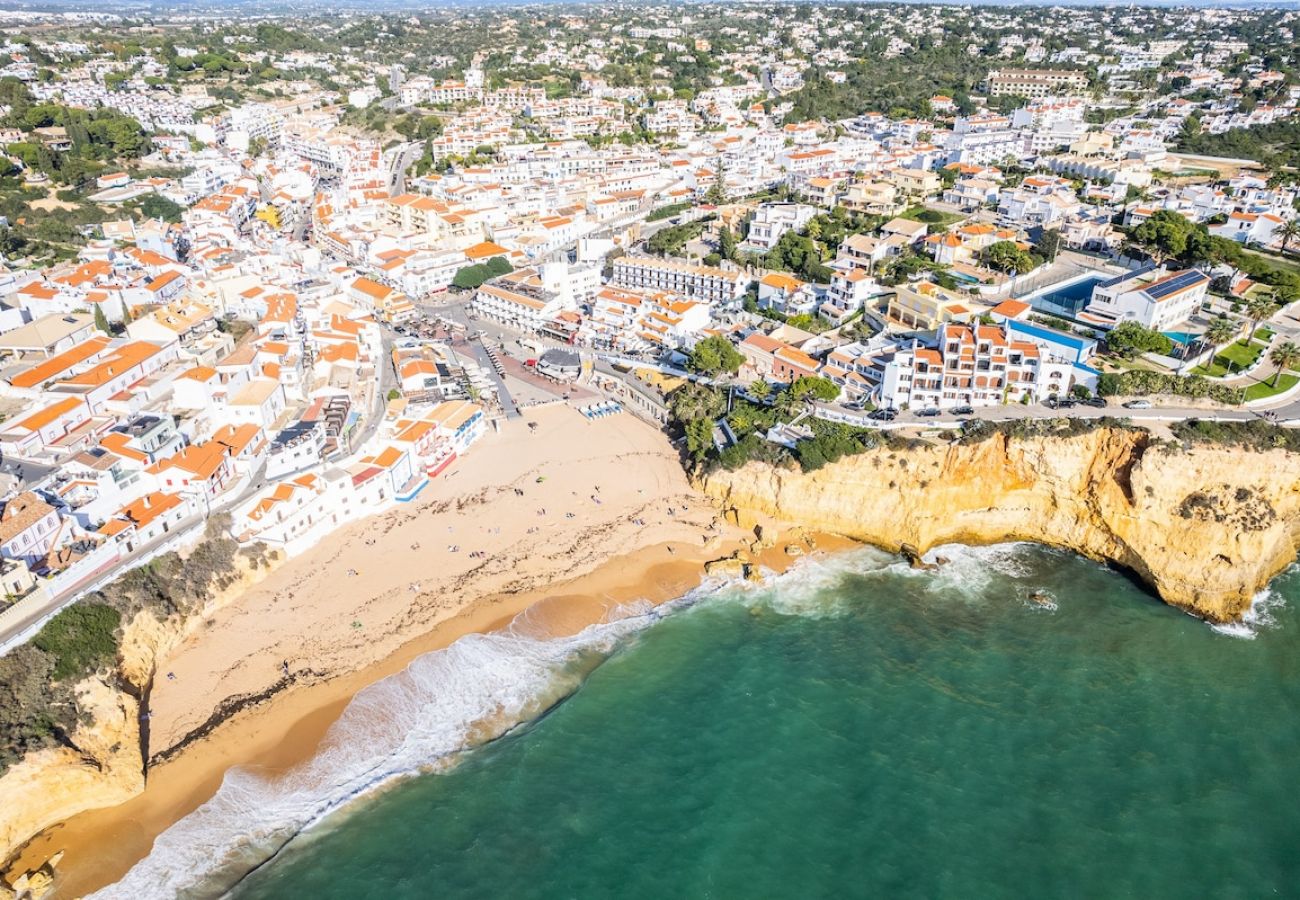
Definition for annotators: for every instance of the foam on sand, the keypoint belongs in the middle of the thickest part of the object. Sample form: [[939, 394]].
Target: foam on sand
[[418, 720]]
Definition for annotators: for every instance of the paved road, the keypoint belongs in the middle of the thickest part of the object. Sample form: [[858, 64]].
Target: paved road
[[27, 472], [256, 481], [384, 379], [28, 622], [503, 393], [1154, 415], [406, 156]]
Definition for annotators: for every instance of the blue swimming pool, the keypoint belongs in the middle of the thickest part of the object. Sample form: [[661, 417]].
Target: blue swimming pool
[[1180, 337], [1066, 299]]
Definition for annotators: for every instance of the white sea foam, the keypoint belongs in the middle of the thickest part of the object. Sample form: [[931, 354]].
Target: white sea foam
[[965, 571], [1255, 619], [1044, 601], [805, 588], [479, 687], [417, 720]]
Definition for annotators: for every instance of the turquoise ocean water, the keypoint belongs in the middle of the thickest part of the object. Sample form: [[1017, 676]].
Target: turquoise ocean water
[[853, 729]]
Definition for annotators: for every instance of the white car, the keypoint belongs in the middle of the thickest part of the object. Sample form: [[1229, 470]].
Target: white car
[[1138, 404]]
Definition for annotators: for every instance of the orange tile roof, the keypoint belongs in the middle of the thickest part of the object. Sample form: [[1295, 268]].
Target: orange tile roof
[[201, 460], [237, 437], [199, 373], [122, 360], [371, 288], [388, 458], [117, 442], [42, 417], [141, 512], [781, 281], [163, 280], [796, 357], [57, 365], [485, 249]]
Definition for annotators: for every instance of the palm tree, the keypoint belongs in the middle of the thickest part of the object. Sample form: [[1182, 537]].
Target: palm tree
[[1289, 232], [1220, 331], [1285, 356], [1258, 308]]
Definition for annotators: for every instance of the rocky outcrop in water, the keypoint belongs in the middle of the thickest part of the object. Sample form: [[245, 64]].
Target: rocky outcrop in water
[[1206, 526]]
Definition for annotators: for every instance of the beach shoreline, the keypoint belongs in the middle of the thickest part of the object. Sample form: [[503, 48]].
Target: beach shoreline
[[641, 534], [287, 728]]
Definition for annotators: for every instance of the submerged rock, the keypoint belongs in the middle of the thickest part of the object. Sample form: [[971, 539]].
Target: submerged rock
[[913, 557]]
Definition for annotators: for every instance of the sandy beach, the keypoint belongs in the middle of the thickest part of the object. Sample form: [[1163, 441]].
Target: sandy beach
[[572, 518]]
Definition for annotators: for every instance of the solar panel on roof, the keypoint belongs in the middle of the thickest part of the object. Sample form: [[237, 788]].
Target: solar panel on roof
[[1120, 279], [1174, 285]]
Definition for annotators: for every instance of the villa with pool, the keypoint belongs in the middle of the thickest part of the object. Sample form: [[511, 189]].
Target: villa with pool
[[1152, 296]]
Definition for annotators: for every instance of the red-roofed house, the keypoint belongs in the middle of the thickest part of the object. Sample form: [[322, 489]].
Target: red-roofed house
[[146, 519]]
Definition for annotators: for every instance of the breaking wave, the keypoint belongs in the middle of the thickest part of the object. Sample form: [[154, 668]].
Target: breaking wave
[[419, 721], [1259, 617], [416, 721], [483, 685]]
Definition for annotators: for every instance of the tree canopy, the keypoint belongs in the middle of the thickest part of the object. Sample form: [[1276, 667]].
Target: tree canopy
[[1006, 256], [715, 356], [1128, 339], [1164, 235]]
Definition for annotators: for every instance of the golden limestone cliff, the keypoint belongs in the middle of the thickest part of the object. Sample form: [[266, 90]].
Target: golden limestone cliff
[[102, 763], [1206, 526]]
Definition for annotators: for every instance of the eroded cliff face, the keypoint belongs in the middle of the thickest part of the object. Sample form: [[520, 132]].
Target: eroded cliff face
[[1205, 526], [107, 766]]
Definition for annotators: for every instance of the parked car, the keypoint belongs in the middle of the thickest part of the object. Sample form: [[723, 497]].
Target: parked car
[[928, 412], [1097, 402], [1055, 402], [883, 415], [1138, 404], [963, 411]]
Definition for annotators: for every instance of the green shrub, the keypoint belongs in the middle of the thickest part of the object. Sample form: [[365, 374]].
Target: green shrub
[[667, 212], [33, 710], [1140, 383], [715, 355], [976, 431], [1128, 339], [80, 639], [753, 448], [471, 277], [1254, 434], [831, 442]]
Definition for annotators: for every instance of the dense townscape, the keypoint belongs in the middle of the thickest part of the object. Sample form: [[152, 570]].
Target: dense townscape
[[281, 272], [534, 286]]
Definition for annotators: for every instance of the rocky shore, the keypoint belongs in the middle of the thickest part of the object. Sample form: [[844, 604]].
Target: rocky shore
[[1205, 525]]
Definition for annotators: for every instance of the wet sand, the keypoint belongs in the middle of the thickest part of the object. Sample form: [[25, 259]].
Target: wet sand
[[101, 845], [621, 523]]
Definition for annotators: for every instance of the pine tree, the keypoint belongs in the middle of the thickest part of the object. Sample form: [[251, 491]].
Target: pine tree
[[101, 320], [717, 192], [726, 244]]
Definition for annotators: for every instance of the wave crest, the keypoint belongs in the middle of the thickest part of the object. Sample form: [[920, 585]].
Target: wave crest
[[444, 702]]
